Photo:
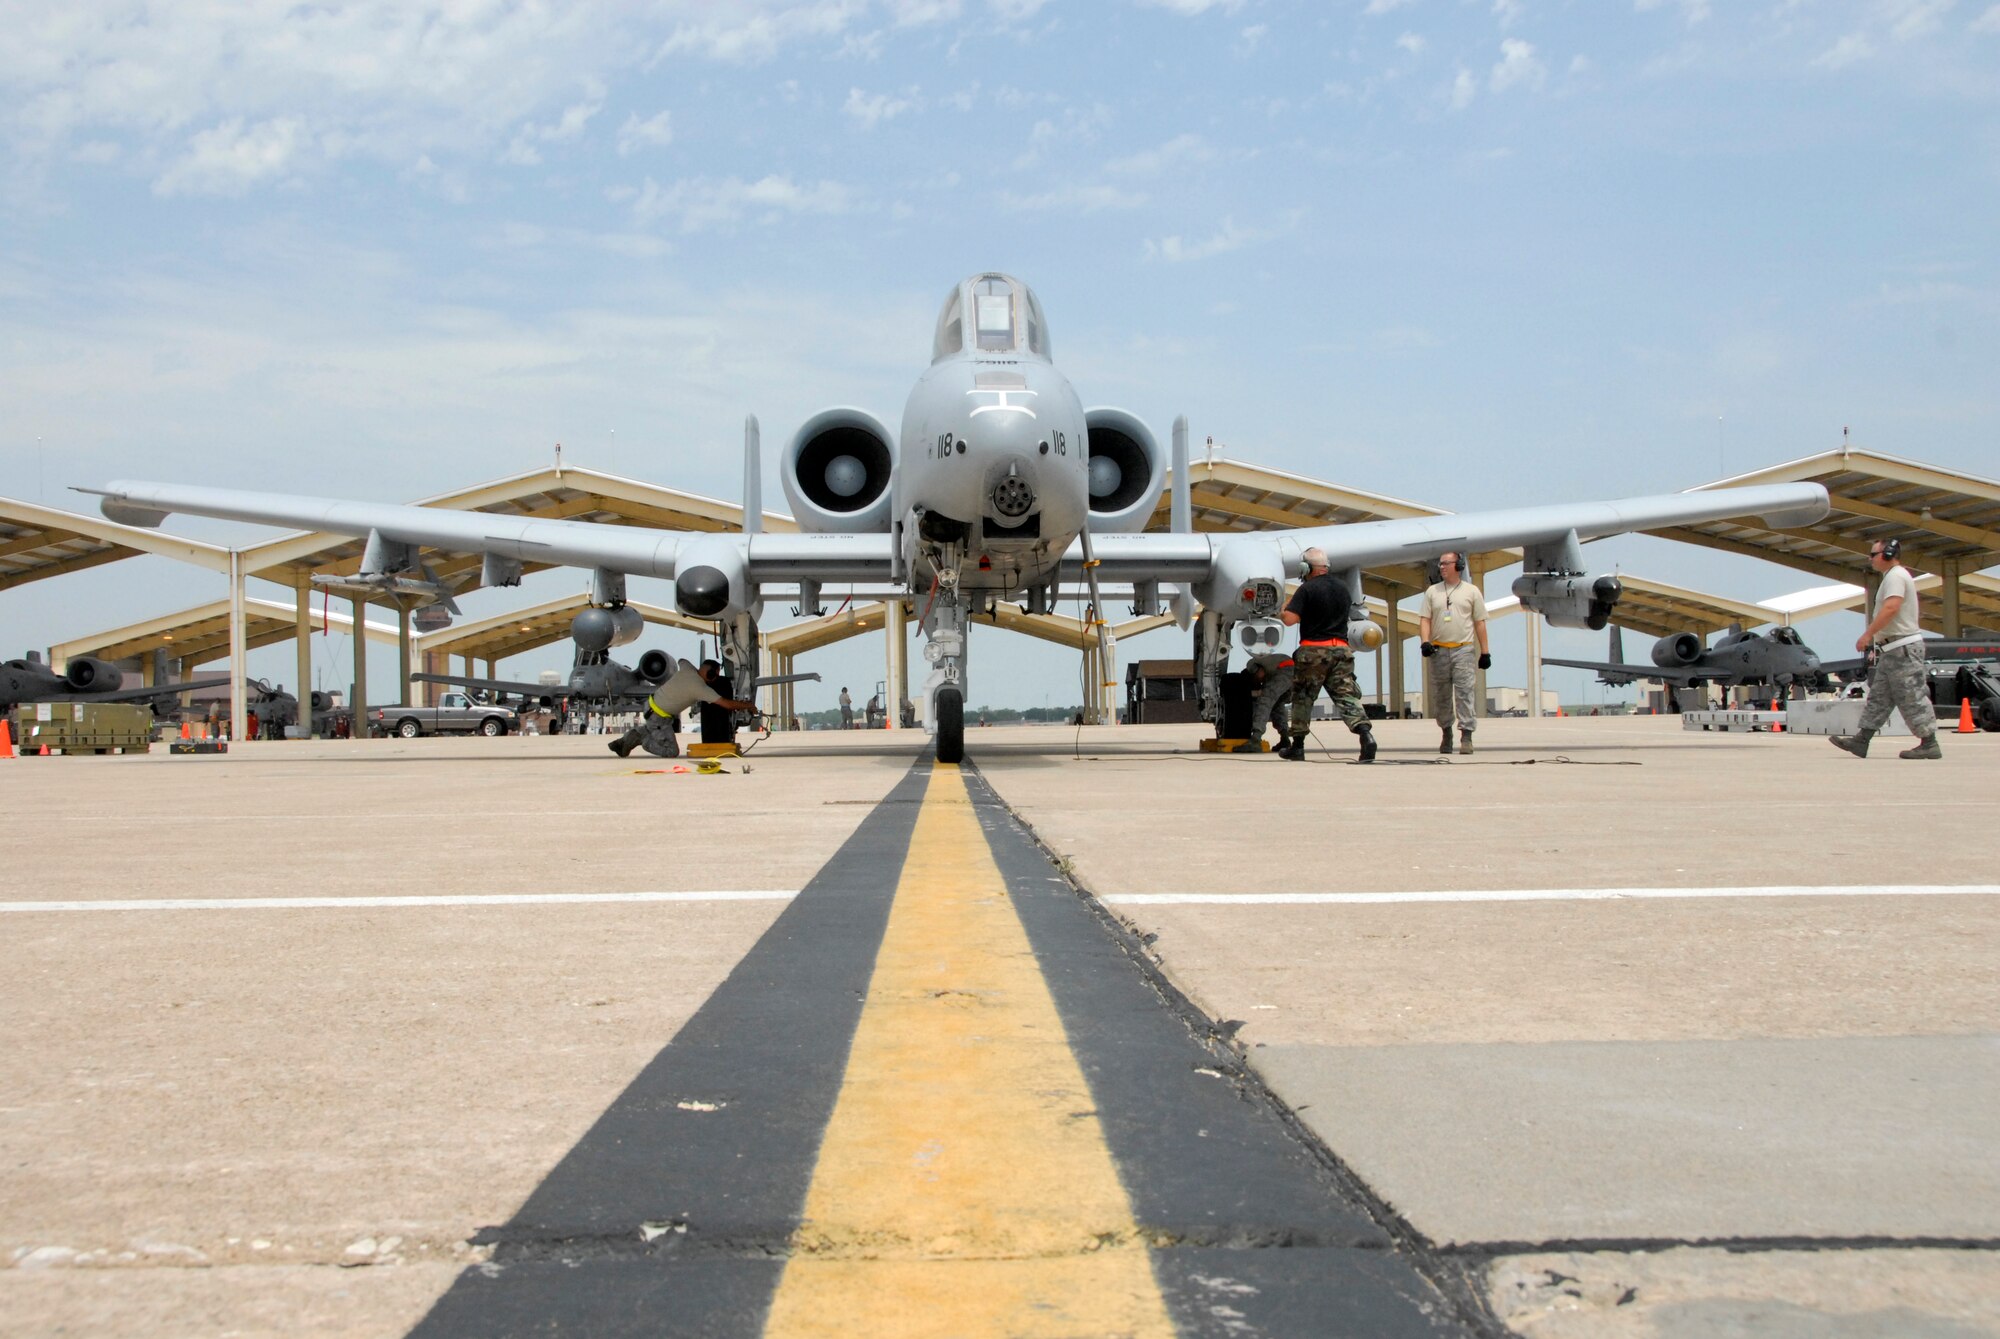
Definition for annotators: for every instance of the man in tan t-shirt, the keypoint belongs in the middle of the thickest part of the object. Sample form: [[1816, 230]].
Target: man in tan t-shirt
[[1452, 627], [1898, 679]]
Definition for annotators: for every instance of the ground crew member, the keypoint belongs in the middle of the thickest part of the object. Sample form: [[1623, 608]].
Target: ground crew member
[[1898, 679], [1320, 608], [1452, 628], [846, 711]]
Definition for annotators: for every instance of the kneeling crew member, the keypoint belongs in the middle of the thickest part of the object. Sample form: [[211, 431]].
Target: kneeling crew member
[[1321, 608], [1455, 613]]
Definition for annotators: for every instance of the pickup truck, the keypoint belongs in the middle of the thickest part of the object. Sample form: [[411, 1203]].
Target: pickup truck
[[455, 713]]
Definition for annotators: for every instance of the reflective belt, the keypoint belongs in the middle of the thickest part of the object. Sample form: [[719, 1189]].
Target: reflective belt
[[1901, 642], [1448, 646], [1333, 641]]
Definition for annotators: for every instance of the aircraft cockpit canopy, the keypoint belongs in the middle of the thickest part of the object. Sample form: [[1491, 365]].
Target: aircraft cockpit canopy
[[991, 314], [1785, 635]]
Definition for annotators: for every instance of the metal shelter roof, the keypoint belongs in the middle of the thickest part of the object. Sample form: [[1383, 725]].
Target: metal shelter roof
[[38, 542], [1979, 603], [1942, 516], [200, 635]]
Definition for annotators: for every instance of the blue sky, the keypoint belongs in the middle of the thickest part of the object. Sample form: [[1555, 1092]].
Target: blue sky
[[1463, 252]]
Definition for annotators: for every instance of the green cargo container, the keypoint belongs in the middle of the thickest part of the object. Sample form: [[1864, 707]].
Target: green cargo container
[[83, 727]]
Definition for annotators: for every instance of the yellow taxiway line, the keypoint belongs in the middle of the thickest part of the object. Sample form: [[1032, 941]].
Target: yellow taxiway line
[[963, 1185]]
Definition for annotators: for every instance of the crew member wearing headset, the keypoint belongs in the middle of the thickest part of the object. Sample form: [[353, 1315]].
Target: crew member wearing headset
[[1898, 679], [1452, 629], [1320, 608]]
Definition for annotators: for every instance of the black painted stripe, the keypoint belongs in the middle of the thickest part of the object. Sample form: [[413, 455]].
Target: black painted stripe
[[719, 1193], [1257, 1229]]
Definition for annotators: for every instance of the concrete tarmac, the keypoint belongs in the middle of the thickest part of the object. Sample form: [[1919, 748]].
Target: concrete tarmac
[[1761, 1112]]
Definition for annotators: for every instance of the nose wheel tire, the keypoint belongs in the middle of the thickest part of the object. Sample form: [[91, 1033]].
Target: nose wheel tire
[[950, 725]]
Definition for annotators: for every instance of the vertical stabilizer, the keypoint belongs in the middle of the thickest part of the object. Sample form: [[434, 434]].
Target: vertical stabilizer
[[1617, 656], [753, 478]]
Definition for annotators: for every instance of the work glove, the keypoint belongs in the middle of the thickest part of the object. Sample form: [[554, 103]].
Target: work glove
[[1429, 650], [1485, 661]]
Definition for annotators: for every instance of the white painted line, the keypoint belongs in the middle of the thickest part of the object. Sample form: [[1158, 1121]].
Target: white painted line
[[353, 903], [1536, 895]]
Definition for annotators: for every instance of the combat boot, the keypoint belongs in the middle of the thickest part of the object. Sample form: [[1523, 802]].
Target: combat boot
[[1367, 744], [1465, 741], [1857, 744], [1927, 747], [1294, 749], [621, 748], [1444, 741]]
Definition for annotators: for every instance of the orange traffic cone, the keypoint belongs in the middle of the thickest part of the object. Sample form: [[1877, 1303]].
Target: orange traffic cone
[[45, 751], [186, 731], [1778, 705], [6, 738], [1965, 725]]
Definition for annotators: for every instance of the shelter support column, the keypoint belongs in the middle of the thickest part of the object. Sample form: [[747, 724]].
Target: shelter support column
[[402, 654], [899, 672], [1534, 663], [1395, 640], [358, 707], [1950, 609], [239, 707], [302, 636], [1477, 575]]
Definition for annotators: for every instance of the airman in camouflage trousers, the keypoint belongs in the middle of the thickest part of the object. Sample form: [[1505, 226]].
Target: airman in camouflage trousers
[[1331, 667]]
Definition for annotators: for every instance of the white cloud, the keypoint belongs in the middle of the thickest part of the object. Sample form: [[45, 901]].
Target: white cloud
[[1693, 11], [1910, 19], [655, 131], [1412, 43], [1849, 49], [1230, 237], [1464, 88], [869, 110], [567, 126], [1989, 22], [1176, 152], [916, 13], [229, 159], [727, 34], [1016, 11], [1507, 11], [1385, 6], [1517, 67], [1252, 35], [1072, 200], [701, 202], [1190, 8]]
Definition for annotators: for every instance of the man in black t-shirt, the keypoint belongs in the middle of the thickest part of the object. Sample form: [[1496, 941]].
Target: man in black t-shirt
[[1321, 608]]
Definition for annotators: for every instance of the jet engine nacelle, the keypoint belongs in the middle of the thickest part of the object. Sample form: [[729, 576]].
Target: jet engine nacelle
[[712, 579], [655, 666], [87, 674], [600, 628], [1127, 471], [1675, 652], [1570, 602], [837, 471]]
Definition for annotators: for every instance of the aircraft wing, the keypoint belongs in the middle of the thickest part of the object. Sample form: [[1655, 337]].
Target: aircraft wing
[[1420, 537], [1615, 674], [496, 685], [636, 550], [144, 694]]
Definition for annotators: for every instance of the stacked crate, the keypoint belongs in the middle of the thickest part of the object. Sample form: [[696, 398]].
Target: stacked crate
[[83, 727]]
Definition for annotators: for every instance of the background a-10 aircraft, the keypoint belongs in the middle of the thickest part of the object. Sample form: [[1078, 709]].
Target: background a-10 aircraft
[[999, 486]]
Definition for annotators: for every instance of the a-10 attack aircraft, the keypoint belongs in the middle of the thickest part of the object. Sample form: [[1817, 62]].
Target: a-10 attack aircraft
[[86, 679], [1738, 659], [999, 486]]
